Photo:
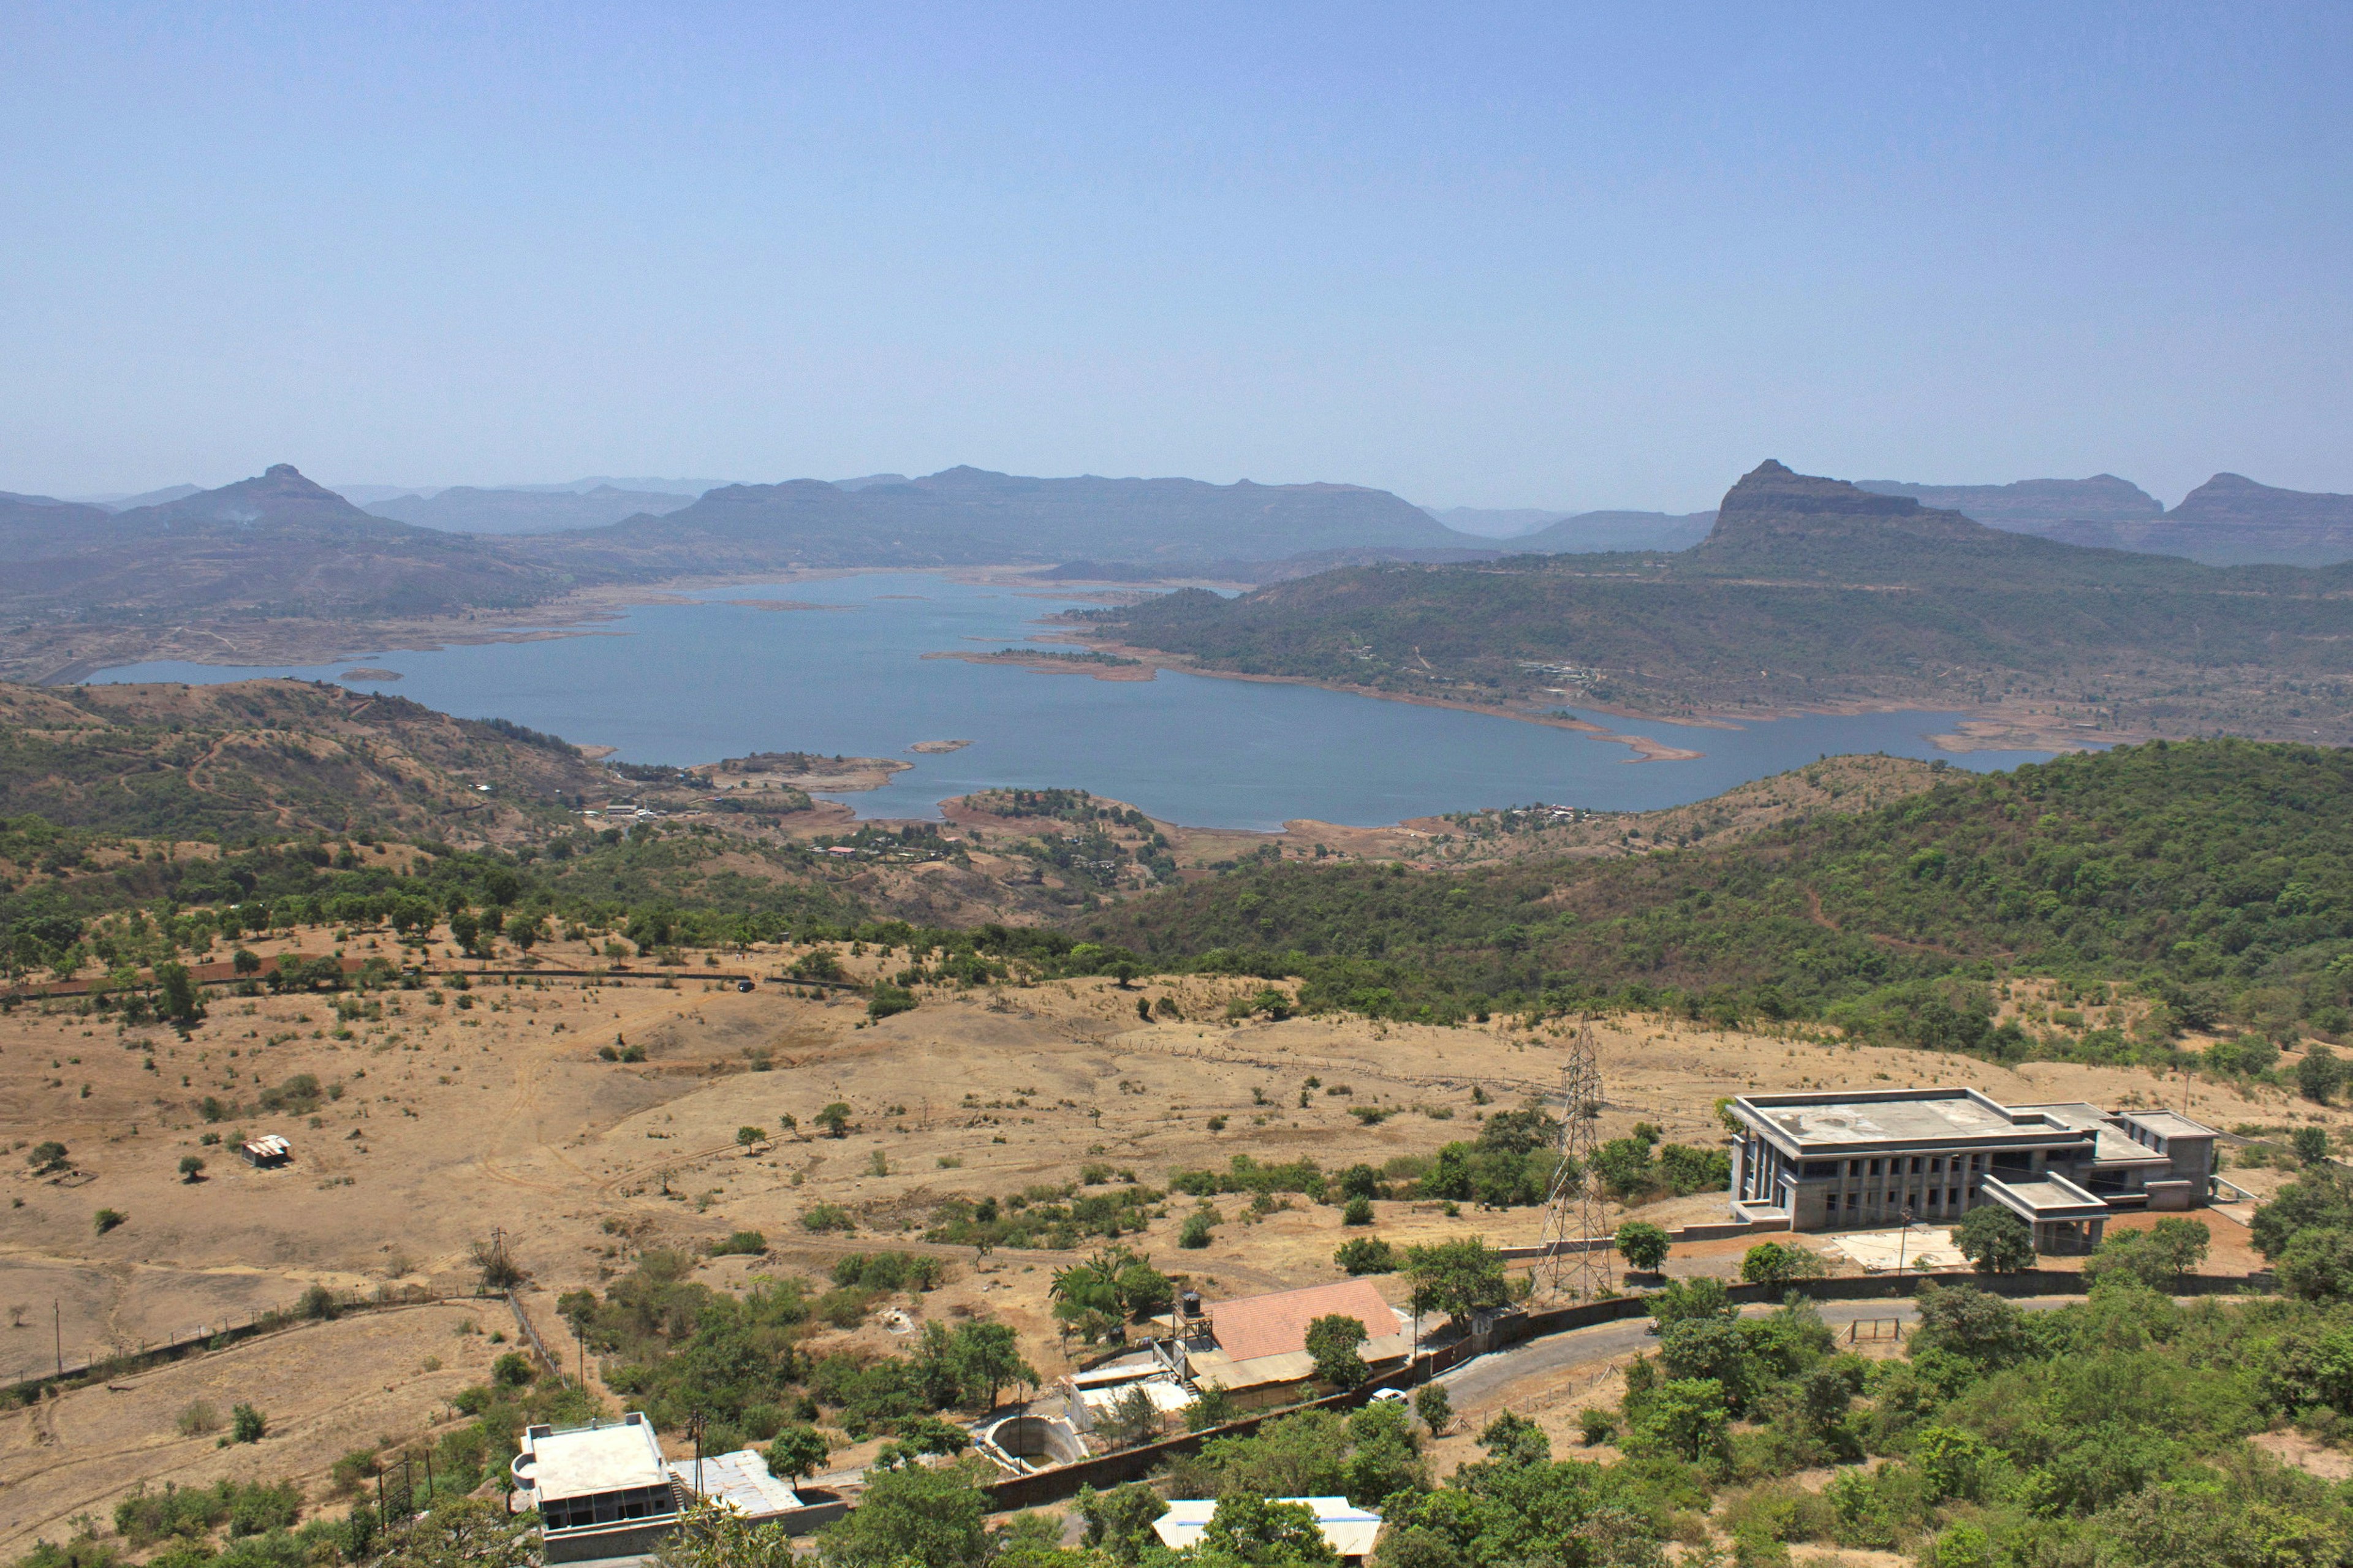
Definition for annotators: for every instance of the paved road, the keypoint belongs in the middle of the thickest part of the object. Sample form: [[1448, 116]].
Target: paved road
[[1494, 1377]]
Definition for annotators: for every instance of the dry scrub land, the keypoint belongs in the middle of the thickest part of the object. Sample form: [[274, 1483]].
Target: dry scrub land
[[439, 1121]]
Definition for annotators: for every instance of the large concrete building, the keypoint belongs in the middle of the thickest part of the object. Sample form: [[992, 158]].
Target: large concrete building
[[1871, 1159]]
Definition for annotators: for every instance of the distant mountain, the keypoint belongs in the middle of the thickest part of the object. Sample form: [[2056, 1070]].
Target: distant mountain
[[870, 481], [1592, 533], [1252, 570], [275, 545], [968, 516], [147, 498], [687, 488], [33, 527], [465, 510], [1809, 593], [2230, 521], [2031, 506], [1489, 523]]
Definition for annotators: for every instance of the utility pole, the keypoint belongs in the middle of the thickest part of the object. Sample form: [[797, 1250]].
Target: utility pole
[[57, 1327]]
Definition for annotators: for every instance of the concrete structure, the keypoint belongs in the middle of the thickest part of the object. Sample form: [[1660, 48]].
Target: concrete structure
[[1870, 1159], [1349, 1530], [1090, 1395], [1255, 1347], [601, 1491]]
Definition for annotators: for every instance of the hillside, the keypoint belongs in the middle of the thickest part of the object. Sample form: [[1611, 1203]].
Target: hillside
[[2230, 520], [269, 757], [274, 548], [1593, 533], [462, 509], [2217, 875], [1809, 593], [2033, 506], [968, 516]]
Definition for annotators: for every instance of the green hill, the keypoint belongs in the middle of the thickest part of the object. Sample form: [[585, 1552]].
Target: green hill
[[2217, 876]]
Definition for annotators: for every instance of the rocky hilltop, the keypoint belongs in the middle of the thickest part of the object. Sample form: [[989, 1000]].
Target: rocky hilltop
[[2230, 520]]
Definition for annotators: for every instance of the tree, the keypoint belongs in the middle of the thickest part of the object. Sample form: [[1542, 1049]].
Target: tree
[[180, 1002], [1703, 1297], [1367, 1254], [2310, 1143], [245, 961], [1213, 1405], [1686, 1418], [2319, 1075], [192, 1169], [712, 1535], [1358, 1212], [1432, 1404], [747, 1136], [1333, 1340], [524, 931], [935, 1517], [2320, 1199], [1119, 1521], [2317, 1266], [1995, 1240], [2156, 1258], [987, 1356], [1458, 1276], [1261, 1531], [1774, 1263], [835, 1120], [247, 1425], [797, 1451], [1642, 1244], [1513, 1440], [48, 1157]]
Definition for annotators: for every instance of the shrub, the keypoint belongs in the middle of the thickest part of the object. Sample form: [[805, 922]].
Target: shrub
[[1367, 1254], [1642, 1244], [822, 1218], [197, 1419], [1994, 1239], [513, 1370], [107, 1219], [247, 1425], [1358, 1212], [1433, 1404], [1195, 1232], [744, 1243]]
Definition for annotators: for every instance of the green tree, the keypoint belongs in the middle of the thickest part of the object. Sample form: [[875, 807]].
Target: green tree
[[934, 1517], [1119, 1521], [2320, 1075], [1333, 1340], [1359, 1211], [1995, 1240], [2310, 1143], [746, 1137], [1264, 1533], [1776, 1263], [1365, 1255], [1458, 1276], [1686, 1418], [2156, 1258], [835, 1120], [177, 993], [987, 1356], [1132, 1420], [2317, 1265], [1432, 1404], [192, 1168], [1642, 1244], [247, 1425], [798, 1451], [1212, 1405]]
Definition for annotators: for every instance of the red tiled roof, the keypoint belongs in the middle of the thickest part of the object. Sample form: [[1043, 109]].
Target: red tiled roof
[[1257, 1326]]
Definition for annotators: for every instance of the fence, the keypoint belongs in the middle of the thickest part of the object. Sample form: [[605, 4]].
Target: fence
[[125, 1359]]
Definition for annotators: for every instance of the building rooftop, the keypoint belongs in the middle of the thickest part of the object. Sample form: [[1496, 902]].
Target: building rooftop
[[1350, 1530], [2112, 1145], [1895, 1115], [739, 1481], [2045, 1198], [1276, 1325], [580, 1461], [2170, 1124]]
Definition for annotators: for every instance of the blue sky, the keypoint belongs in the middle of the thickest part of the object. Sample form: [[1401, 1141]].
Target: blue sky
[[1481, 254]]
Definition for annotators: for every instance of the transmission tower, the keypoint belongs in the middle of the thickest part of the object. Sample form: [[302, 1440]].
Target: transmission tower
[[1573, 1204]]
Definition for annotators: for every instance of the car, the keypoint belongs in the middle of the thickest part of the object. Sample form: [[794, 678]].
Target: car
[[1389, 1396]]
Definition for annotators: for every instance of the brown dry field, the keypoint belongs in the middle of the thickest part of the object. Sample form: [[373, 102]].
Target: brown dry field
[[453, 1122]]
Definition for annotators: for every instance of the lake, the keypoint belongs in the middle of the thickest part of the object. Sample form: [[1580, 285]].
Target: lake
[[695, 682]]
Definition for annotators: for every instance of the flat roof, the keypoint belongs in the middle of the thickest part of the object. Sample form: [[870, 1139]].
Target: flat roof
[[2045, 1197], [1350, 1530], [2112, 1145], [1900, 1116], [582, 1461], [740, 1481], [2170, 1124]]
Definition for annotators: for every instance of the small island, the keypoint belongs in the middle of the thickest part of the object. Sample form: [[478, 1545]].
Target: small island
[[369, 673], [936, 748]]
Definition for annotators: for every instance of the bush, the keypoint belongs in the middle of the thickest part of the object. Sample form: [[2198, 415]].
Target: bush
[[107, 1219], [247, 1425], [513, 1370], [1435, 1408], [1195, 1232], [318, 1302], [1358, 1212], [1995, 1240], [1776, 1263], [1642, 1244], [197, 1419], [1367, 1254], [743, 1243], [822, 1218]]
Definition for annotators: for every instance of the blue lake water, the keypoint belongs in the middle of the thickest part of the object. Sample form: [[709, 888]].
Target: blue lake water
[[695, 682]]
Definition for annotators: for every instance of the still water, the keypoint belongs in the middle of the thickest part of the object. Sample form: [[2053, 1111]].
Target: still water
[[695, 682]]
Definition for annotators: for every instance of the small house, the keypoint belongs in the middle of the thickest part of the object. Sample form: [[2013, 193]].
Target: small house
[[266, 1153]]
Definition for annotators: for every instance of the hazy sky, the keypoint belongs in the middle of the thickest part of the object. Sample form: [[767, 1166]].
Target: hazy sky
[[1480, 255]]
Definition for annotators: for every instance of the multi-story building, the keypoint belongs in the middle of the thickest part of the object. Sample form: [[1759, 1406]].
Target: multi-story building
[[1827, 1162]]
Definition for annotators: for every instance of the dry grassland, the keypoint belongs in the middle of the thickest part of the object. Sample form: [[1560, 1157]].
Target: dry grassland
[[453, 1121]]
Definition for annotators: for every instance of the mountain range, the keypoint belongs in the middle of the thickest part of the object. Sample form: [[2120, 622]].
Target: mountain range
[[1809, 591]]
